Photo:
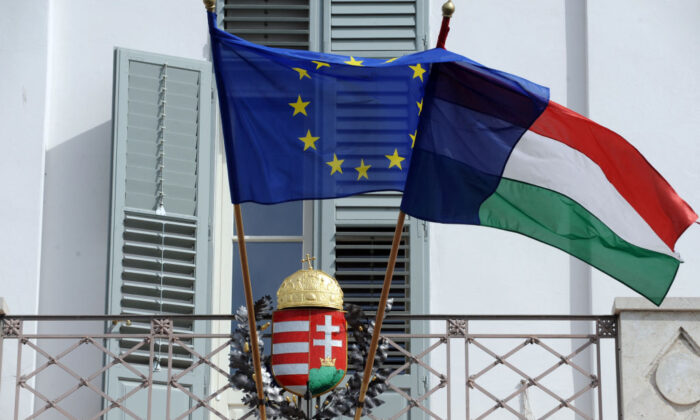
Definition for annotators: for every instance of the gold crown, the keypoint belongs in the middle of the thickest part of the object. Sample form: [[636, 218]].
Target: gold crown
[[328, 362], [310, 287]]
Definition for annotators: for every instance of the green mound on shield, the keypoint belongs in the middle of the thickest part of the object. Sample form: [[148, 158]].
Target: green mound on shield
[[324, 379]]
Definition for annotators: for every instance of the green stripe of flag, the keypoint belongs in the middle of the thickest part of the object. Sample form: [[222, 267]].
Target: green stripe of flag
[[557, 220]]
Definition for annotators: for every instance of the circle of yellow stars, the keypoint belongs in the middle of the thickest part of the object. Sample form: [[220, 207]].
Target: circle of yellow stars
[[309, 140]]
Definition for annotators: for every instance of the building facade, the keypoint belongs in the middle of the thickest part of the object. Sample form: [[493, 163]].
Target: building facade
[[82, 217]]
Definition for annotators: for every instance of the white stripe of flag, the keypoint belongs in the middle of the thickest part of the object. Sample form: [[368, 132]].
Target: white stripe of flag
[[550, 164], [290, 326], [291, 369], [286, 348]]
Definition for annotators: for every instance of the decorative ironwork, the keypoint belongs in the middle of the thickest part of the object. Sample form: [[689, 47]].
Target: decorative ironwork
[[533, 381], [136, 349], [607, 327], [161, 326], [415, 401], [457, 327], [11, 327]]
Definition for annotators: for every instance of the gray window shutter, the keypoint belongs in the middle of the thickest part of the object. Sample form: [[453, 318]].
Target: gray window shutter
[[358, 232], [160, 216], [353, 239], [353, 235], [375, 28], [359, 27], [274, 23]]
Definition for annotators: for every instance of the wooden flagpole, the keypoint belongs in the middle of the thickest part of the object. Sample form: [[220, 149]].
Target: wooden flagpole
[[447, 11], [210, 5], [252, 326]]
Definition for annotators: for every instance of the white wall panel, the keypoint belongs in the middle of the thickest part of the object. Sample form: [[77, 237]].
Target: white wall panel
[[644, 61], [24, 50]]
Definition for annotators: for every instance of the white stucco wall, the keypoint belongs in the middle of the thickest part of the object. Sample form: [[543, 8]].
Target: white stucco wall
[[644, 65], [644, 61], [79, 143], [23, 70]]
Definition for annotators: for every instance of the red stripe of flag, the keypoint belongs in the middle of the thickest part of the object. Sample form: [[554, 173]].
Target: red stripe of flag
[[291, 315], [291, 337], [282, 359], [633, 177], [291, 380]]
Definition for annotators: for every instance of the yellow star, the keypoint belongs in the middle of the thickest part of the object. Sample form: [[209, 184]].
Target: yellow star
[[309, 140], [354, 62], [320, 64], [417, 71], [302, 72], [413, 137], [299, 106], [391, 59], [420, 106], [362, 170], [395, 159], [335, 164]]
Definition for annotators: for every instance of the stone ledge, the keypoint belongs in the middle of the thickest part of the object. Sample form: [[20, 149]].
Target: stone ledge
[[671, 304], [4, 310]]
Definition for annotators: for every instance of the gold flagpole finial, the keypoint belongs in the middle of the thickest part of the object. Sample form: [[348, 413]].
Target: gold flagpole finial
[[210, 5], [448, 9]]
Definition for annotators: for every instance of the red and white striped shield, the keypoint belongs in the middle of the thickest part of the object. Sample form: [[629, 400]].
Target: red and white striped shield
[[309, 346]]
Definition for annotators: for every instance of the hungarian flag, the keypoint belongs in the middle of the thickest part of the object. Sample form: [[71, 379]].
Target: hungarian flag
[[493, 150]]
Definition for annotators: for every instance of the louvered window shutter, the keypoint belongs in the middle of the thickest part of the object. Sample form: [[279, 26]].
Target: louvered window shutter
[[374, 28], [274, 23], [161, 194], [353, 235], [354, 238]]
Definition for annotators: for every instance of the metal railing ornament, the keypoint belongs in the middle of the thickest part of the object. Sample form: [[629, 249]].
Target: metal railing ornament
[[473, 357]]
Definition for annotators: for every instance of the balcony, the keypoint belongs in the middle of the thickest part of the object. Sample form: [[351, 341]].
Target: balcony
[[448, 367]]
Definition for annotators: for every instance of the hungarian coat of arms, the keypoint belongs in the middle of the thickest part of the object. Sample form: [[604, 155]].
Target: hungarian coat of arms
[[309, 348], [309, 336]]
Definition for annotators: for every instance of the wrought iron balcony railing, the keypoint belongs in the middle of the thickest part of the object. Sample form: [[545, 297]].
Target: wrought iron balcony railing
[[448, 367]]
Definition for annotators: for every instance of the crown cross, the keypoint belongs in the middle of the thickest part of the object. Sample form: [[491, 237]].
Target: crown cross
[[309, 260]]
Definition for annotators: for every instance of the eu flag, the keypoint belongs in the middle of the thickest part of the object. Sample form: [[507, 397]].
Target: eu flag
[[307, 125]]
